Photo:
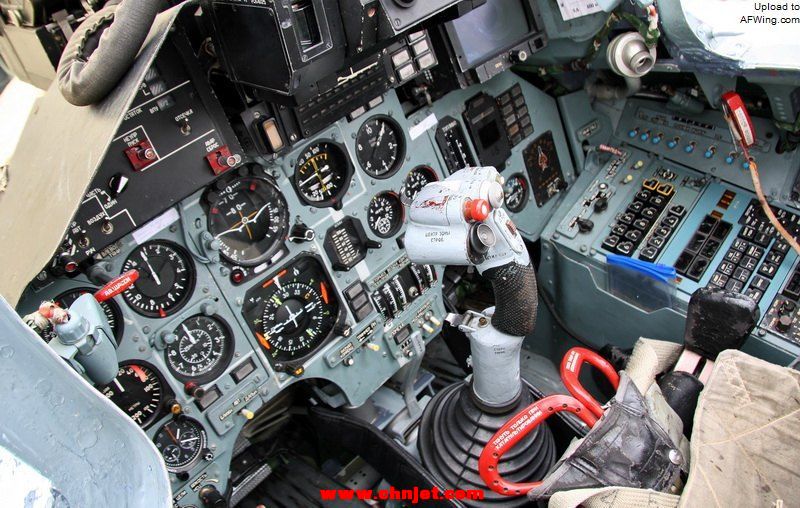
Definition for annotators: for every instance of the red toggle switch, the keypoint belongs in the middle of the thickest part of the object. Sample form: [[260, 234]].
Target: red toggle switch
[[116, 286]]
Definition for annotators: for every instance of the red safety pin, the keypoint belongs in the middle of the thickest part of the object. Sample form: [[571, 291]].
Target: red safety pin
[[581, 404]]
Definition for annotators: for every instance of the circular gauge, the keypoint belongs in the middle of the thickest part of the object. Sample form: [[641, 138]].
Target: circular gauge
[[294, 311], [110, 309], [137, 390], [203, 349], [166, 279], [322, 175], [516, 192], [181, 441], [416, 179], [249, 217], [380, 147], [385, 215]]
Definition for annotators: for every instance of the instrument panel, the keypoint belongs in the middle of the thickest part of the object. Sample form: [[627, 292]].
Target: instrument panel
[[283, 271]]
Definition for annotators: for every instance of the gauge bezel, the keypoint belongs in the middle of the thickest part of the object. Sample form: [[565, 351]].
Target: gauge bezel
[[291, 365], [114, 306], [222, 365], [526, 196], [196, 458], [166, 393], [401, 147], [398, 225], [215, 192], [192, 282], [337, 200]]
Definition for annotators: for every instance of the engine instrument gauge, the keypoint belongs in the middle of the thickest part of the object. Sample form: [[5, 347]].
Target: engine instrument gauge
[[294, 311], [415, 181], [453, 144], [249, 217], [166, 278], [110, 309], [202, 351], [138, 391], [322, 174], [516, 193], [181, 442], [380, 147], [386, 214]]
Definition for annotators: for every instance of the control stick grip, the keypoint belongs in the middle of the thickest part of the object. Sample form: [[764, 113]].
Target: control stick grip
[[116, 286], [516, 298]]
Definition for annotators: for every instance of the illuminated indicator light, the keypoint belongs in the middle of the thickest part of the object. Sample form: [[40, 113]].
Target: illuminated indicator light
[[237, 276], [139, 373], [298, 371], [324, 291]]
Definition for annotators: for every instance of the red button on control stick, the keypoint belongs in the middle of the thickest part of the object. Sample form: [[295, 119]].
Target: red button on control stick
[[477, 210], [116, 286]]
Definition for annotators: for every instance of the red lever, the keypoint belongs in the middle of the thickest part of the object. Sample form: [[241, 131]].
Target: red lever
[[517, 428], [571, 371], [117, 286]]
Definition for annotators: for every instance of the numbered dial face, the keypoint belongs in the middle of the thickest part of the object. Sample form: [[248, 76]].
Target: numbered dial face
[[516, 192], [249, 218], [166, 279], [322, 174], [415, 181], [110, 309], [181, 442], [138, 391], [202, 350], [386, 214], [380, 147], [293, 312]]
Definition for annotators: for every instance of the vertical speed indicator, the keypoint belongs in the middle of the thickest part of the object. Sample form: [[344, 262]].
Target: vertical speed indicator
[[294, 311]]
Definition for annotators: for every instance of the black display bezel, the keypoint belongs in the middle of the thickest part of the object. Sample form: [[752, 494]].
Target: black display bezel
[[401, 148], [337, 200], [224, 362]]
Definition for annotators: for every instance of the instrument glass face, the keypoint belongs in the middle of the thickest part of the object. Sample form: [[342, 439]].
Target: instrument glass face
[[166, 279], [181, 442], [293, 311], [138, 391], [202, 350], [386, 214], [249, 217], [380, 147], [516, 193], [322, 174]]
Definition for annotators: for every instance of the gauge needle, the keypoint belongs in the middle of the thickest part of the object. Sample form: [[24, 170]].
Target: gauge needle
[[189, 440], [319, 177], [171, 435], [152, 272], [246, 226], [189, 334]]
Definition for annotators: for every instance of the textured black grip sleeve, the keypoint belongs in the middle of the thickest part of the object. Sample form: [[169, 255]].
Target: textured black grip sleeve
[[516, 298]]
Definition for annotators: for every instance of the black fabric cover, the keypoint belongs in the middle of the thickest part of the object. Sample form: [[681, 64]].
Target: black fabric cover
[[516, 298], [626, 448]]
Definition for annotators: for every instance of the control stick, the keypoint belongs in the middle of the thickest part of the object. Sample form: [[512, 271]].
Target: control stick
[[83, 334], [460, 221]]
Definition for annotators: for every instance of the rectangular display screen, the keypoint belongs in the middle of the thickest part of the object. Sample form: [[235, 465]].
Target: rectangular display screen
[[488, 30]]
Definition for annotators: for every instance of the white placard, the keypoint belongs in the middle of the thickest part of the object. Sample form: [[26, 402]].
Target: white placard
[[150, 229], [418, 130], [571, 9]]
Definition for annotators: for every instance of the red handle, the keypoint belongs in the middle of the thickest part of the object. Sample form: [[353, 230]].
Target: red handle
[[117, 286], [522, 424], [571, 370]]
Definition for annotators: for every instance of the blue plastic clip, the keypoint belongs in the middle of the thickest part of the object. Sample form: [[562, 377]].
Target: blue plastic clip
[[664, 273]]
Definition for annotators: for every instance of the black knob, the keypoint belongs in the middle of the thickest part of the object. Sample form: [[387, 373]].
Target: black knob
[[585, 225], [600, 205], [211, 497]]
